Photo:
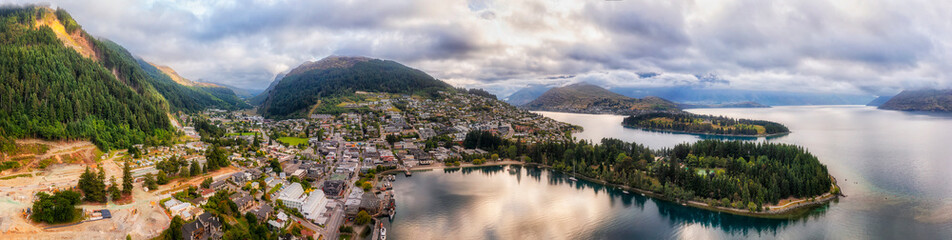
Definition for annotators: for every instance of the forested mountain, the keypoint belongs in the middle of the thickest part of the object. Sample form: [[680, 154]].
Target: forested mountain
[[52, 91], [257, 100], [588, 98], [341, 76], [58, 82], [243, 93], [921, 100], [186, 95]]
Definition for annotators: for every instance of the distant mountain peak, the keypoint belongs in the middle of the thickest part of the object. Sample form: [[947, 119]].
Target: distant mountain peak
[[590, 98], [179, 79]]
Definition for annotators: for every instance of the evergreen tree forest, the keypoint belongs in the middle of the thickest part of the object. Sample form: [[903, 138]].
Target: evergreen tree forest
[[50, 91], [294, 94], [694, 123]]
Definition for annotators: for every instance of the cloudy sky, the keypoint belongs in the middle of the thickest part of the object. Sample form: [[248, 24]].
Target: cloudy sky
[[847, 46]]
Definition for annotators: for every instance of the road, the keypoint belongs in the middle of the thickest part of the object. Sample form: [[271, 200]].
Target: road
[[332, 231]]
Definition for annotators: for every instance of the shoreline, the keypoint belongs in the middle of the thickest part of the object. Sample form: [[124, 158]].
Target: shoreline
[[799, 208], [707, 134]]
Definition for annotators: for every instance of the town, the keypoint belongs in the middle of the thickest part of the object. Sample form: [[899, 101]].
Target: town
[[327, 176]]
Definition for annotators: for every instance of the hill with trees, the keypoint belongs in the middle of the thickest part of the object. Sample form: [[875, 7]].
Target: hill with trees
[[59, 83], [335, 76], [931, 100], [588, 98]]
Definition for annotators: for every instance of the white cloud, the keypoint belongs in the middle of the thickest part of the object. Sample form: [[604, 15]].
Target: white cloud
[[845, 46]]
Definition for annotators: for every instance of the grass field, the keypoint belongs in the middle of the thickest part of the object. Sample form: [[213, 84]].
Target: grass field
[[293, 141]]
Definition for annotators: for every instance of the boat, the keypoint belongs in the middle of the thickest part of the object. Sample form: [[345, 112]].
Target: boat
[[625, 191], [573, 179]]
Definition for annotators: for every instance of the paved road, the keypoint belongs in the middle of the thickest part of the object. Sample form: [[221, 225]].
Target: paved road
[[332, 231]]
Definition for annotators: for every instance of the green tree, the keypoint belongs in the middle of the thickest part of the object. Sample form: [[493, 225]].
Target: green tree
[[126, 178], [362, 218], [114, 189]]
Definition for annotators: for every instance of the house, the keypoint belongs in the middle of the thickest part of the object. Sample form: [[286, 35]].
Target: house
[[205, 227], [263, 212], [239, 177], [245, 203]]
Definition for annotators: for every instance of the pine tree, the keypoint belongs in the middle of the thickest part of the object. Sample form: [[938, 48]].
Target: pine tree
[[126, 179]]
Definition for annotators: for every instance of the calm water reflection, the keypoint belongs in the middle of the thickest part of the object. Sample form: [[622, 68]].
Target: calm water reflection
[[896, 164]]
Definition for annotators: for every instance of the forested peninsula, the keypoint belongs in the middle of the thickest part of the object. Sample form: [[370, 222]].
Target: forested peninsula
[[754, 179], [703, 124]]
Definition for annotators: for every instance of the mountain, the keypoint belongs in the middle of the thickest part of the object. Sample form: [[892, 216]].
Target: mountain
[[921, 100], [257, 100], [695, 95], [188, 95], [588, 98], [58, 82], [243, 93], [724, 105], [335, 76], [527, 94], [879, 101]]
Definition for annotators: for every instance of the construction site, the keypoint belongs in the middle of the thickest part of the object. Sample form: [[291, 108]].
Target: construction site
[[56, 166]]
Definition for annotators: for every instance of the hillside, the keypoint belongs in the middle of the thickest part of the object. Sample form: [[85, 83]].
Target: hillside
[[188, 95], [588, 98], [879, 101], [342, 76], [258, 99], [706, 96], [921, 100], [58, 82], [724, 105], [527, 94], [52, 90]]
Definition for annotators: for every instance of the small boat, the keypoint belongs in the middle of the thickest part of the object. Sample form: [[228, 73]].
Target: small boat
[[624, 191], [642, 194], [573, 179]]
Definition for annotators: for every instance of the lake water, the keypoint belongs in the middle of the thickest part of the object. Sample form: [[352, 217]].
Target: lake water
[[895, 167]]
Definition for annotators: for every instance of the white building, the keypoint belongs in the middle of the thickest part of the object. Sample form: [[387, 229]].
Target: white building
[[293, 196], [315, 206]]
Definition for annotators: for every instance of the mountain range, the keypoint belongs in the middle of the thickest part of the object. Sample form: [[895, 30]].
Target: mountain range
[[931, 100], [702, 96], [588, 98]]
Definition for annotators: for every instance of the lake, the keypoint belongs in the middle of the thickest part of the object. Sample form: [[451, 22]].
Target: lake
[[895, 168]]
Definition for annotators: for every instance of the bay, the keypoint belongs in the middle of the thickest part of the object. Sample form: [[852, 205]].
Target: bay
[[894, 167]]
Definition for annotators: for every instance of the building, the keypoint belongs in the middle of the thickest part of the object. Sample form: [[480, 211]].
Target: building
[[263, 212], [293, 196], [315, 206], [205, 227], [333, 188]]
